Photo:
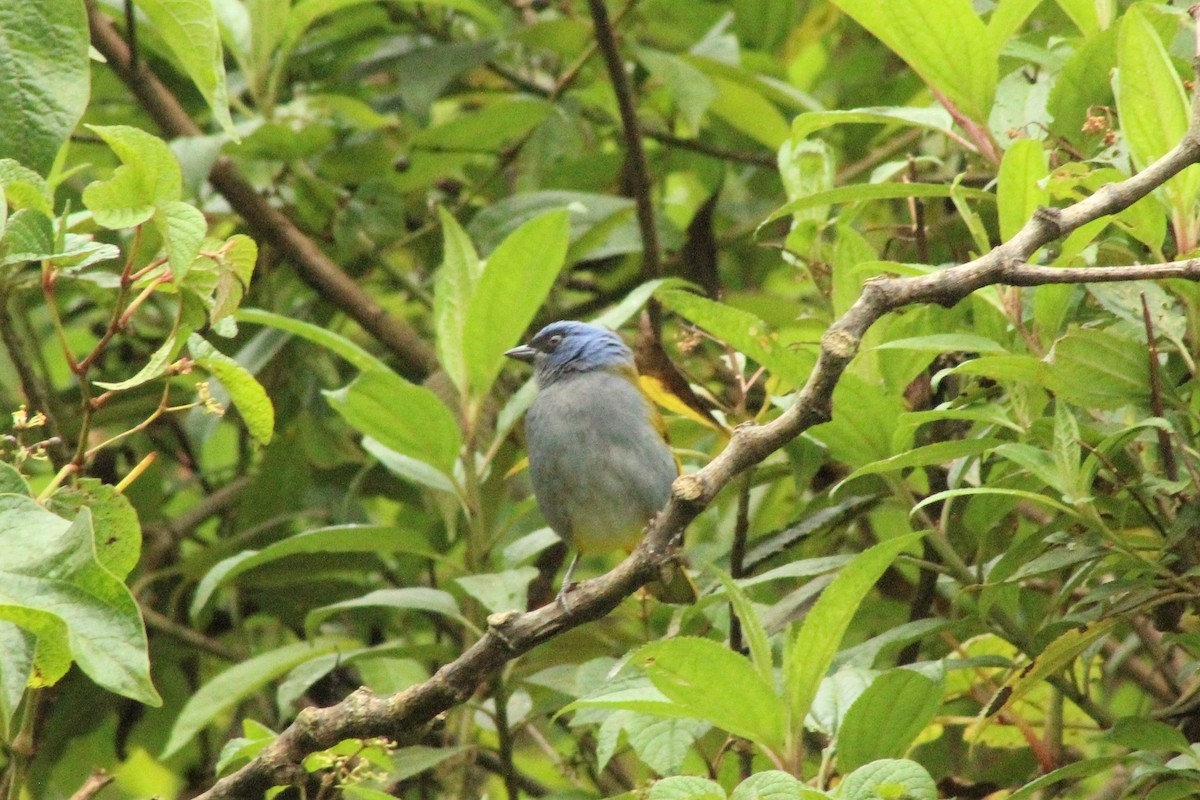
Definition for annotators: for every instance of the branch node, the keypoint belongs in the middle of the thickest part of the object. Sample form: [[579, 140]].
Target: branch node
[[840, 343], [1051, 218], [688, 489], [499, 625]]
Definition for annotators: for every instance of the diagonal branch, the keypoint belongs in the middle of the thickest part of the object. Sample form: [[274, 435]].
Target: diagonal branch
[[405, 715], [268, 223]]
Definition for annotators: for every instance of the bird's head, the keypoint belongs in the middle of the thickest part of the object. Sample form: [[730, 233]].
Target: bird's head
[[564, 348]]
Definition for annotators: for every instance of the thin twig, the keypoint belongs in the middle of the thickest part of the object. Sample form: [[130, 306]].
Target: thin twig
[[703, 147], [164, 624], [1166, 452], [92, 786], [639, 170]]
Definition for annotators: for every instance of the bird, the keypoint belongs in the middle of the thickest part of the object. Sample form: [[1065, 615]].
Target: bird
[[599, 461]]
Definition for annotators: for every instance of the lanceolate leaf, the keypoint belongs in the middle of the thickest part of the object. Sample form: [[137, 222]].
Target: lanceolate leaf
[[514, 284], [338, 539], [1153, 107], [1057, 656], [697, 674], [452, 295], [235, 684], [189, 27], [813, 647], [402, 416]]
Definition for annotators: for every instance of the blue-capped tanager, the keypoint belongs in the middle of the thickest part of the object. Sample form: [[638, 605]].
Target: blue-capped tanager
[[598, 455]]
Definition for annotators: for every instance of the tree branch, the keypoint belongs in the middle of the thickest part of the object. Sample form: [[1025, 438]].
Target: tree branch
[[403, 716], [268, 223]]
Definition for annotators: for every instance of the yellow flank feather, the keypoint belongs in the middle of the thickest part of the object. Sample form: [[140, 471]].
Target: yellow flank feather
[[658, 393]]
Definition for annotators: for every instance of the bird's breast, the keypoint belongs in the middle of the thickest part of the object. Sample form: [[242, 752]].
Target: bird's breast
[[599, 468]]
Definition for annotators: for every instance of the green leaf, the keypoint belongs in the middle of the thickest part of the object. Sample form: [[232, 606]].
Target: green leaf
[[1083, 82], [29, 236], [189, 27], [1071, 772], [743, 331], [812, 649], [692, 90], [122, 201], [686, 787], [243, 748], [771, 784], [592, 218], [415, 598], [452, 293], [887, 718], [945, 43], [632, 695], [158, 177], [12, 481], [24, 188], [408, 468], [234, 263], [1085, 14], [401, 416], [336, 539], [157, 366], [1057, 656], [616, 316], [696, 674], [487, 129], [746, 109], [118, 534], [499, 591], [889, 778], [1017, 192], [945, 343], [1139, 733], [835, 696], [1151, 103], [661, 744], [44, 87], [247, 393], [1007, 19], [986, 490], [874, 191], [54, 586], [17, 647], [182, 227], [333, 342], [806, 168], [1098, 369], [935, 118], [408, 762], [1067, 455], [936, 453], [514, 284], [752, 627], [229, 688]]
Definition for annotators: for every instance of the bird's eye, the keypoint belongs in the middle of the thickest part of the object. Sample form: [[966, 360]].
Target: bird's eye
[[554, 341]]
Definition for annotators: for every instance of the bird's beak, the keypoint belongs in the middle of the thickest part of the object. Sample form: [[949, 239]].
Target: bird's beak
[[522, 352]]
